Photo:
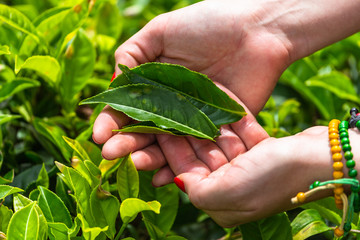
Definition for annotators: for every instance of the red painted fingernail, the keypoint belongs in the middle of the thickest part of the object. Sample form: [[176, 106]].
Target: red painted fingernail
[[180, 184], [113, 76]]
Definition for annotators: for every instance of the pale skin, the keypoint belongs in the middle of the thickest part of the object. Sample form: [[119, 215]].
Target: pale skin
[[244, 46]]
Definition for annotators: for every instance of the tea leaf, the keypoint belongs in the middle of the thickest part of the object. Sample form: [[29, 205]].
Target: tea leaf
[[10, 88], [7, 117], [17, 20], [24, 224], [307, 224], [46, 66], [43, 178], [5, 216], [145, 102], [105, 209], [53, 207], [274, 227], [196, 87], [89, 233], [6, 190], [4, 50], [8, 177], [127, 179], [131, 207], [76, 146]]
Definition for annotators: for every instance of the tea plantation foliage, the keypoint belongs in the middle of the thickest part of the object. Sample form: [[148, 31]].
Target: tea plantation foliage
[[54, 183]]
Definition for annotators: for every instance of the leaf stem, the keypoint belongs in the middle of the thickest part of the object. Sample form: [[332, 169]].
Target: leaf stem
[[121, 231]]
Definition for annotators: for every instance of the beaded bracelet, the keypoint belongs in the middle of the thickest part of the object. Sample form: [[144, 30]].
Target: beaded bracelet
[[339, 131]]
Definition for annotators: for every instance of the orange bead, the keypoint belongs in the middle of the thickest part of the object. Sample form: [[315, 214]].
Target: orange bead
[[333, 136], [339, 191], [337, 157], [335, 149], [301, 197], [334, 122], [338, 174], [334, 142], [333, 130], [338, 166], [338, 232]]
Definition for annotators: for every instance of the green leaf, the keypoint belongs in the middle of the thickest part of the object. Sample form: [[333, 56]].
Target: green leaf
[[145, 102], [9, 89], [89, 233], [5, 216], [76, 146], [89, 172], [308, 223], [6, 190], [75, 17], [24, 224], [337, 83], [108, 167], [54, 134], [105, 209], [326, 208], [274, 227], [53, 207], [108, 20], [4, 118], [43, 178], [58, 231], [8, 177], [21, 202], [46, 66], [78, 65], [127, 179], [168, 197], [17, 20], [196, 87], [4, 50], [131, 207], [147, 127]]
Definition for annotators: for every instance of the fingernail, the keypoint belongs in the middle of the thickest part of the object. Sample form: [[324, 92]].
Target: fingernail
[[180, 184], [113, 76]]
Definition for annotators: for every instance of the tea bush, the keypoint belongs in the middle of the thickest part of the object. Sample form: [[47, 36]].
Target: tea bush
[[54, 183]]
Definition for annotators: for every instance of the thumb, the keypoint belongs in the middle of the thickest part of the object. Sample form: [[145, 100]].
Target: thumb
[[144, 46]]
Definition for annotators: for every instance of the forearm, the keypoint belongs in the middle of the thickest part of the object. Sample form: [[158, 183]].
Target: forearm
[[307, 26]]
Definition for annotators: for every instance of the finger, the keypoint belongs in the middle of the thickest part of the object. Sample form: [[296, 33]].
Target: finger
[[230, 143], [180, 155], [144, 46], [249, 130], [108, 120], [149, 158], [164, 176], [123, 143], [208, 152]]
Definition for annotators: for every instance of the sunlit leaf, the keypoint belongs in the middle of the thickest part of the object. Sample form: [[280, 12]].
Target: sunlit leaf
[[76, 146], [127, 179], [46, 66], [4, 50], [17, 20], [5, 216], [90, 233], [8, 177], [308, 223], [43, 178], [24, 224], [131, 207], [53, 207], [105, 209], [6, 190], [7, 117]]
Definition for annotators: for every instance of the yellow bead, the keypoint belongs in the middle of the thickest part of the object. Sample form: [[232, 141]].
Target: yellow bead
[[339, 191], [335, 149], [301, 197], [333, 130], [334, 122], [338, 166], [338, 174], [337, 157], [333, 136], [334, 142], [338, 232]]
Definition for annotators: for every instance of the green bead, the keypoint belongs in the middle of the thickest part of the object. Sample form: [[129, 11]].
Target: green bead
[[344, 124], [346, 147], [345, 141], [348, 155], [350, 163], [358, 124], [352, 173], [347, 226], [341, 130], [344, 134], [315, 184]]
